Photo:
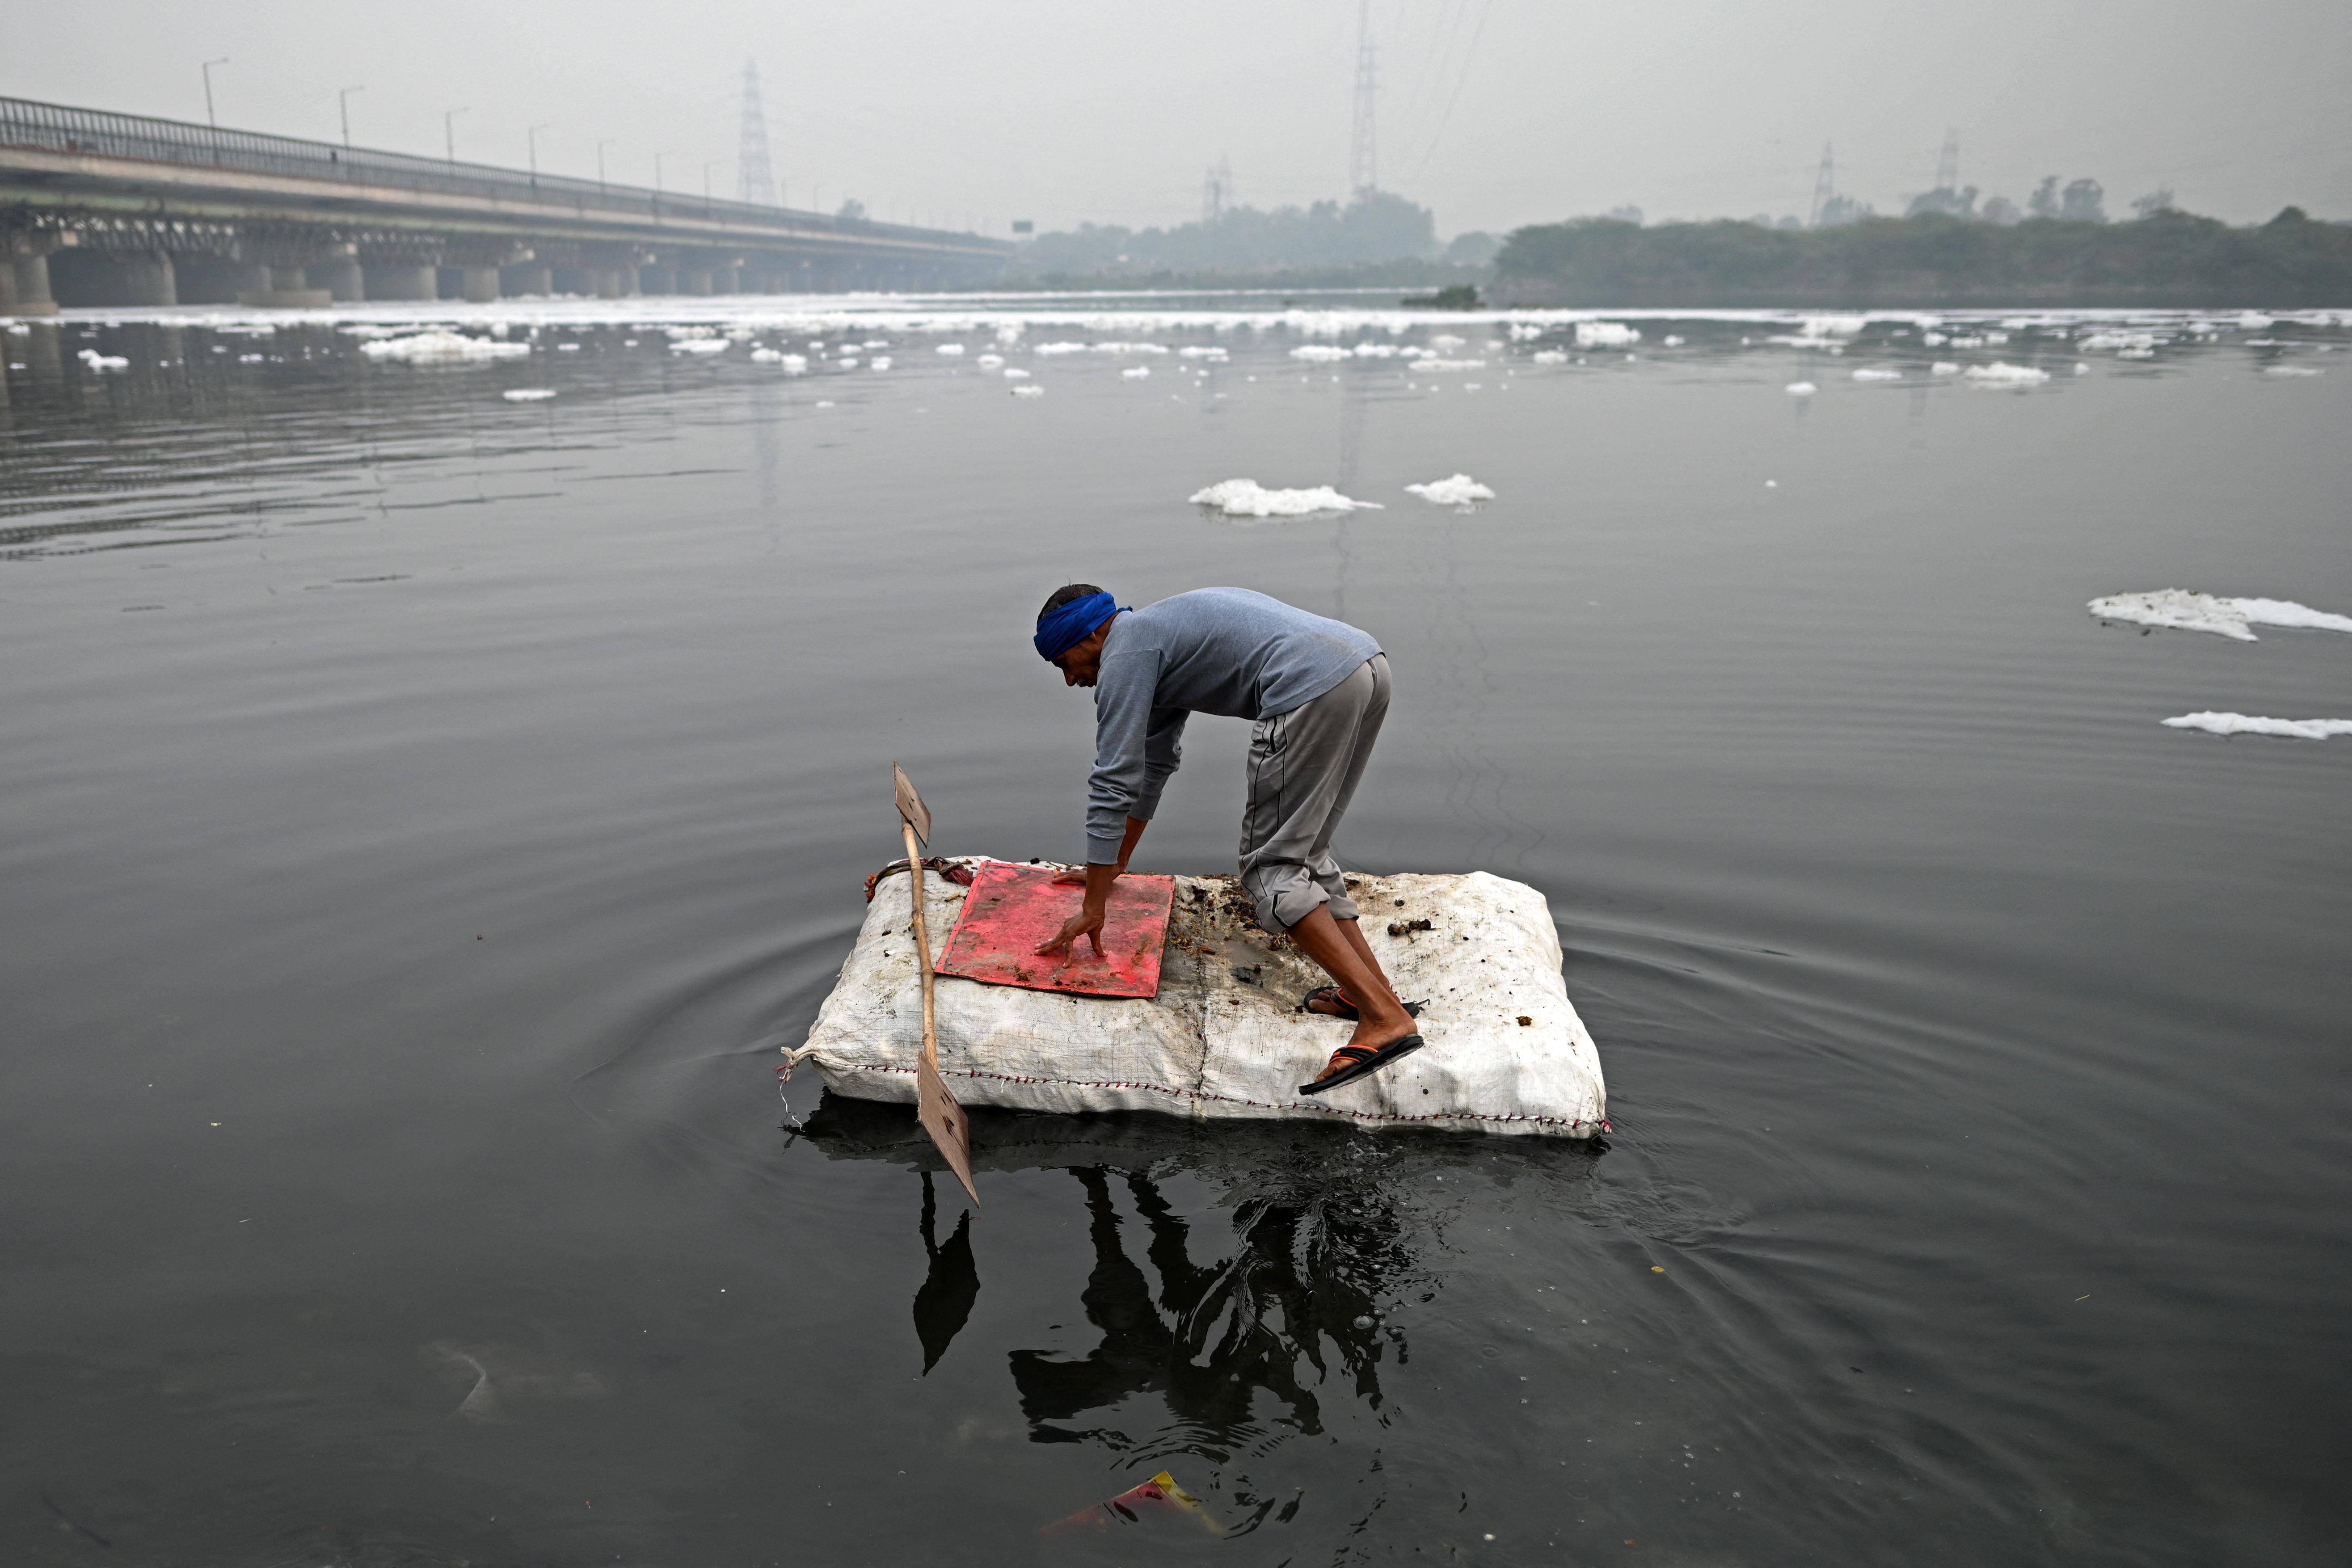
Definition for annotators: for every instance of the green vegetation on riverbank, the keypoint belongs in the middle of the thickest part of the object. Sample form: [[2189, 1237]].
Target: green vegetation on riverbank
[[2166, 258]]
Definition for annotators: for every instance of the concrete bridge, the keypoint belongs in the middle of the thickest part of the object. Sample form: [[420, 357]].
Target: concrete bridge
[[118, 209]]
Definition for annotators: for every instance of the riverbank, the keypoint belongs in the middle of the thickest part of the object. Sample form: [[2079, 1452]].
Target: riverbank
[[2169, 260]]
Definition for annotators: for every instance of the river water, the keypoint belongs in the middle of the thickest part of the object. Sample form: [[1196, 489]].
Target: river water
[[425, 815]]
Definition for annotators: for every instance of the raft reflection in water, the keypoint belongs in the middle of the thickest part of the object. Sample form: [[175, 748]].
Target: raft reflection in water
[[1239, 1339]]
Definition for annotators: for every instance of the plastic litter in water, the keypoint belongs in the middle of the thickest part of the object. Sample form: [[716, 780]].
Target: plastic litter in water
[[1459, 490], [1247, 498], [2002, 374], [527, 393], [2179, 610], [1800, 389], [2248, 724], [96, 361], [444, 347]]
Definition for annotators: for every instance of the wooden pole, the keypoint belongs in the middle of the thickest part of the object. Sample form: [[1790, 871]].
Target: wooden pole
[[935, 1103]]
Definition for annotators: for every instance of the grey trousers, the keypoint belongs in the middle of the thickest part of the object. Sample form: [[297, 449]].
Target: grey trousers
[[1303, 768]]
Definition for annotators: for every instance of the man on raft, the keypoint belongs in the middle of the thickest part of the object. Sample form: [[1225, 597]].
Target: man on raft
[[1317, 691]]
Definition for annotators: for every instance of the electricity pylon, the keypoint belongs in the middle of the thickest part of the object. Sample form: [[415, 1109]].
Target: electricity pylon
[[755, 180], [1363, 158]]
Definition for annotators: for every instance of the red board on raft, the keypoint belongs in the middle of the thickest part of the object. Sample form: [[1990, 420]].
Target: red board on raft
[[1012, 911]]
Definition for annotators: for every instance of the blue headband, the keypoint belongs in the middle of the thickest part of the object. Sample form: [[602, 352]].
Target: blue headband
[[1060, 630]]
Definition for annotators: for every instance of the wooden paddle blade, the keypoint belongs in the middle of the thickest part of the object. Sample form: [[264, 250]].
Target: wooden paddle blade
[[943, 1119], [912, 806]]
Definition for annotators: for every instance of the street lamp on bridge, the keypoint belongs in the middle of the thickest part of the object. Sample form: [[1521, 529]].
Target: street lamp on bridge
[[600, 162], [210, 118], [532, 135], [449, 133], [345, 95]]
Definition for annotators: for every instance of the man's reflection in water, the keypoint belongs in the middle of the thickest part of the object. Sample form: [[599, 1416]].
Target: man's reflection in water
[[1240, 1337]]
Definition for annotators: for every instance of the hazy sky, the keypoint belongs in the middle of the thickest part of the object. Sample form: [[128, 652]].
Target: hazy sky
[[1494, 112]]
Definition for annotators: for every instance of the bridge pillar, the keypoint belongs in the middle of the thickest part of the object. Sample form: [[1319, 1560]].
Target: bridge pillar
[[480, 284], [341, 278], [532, 277], [727, 280], [288, 288], [400, 282], [29, 281], [115, 277], [656, 280], [693, 281]]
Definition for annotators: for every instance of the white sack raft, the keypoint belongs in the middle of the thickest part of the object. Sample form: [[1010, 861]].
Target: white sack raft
[[1504, 1053]]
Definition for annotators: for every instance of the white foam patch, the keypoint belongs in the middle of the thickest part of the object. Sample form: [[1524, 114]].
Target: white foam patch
[[2248, 724], [2255, 321], [1549, 356], [1459, 490], [1944, 367], [527, 393], [950, 350], [96, 361], [990, 362], [1247, 498], [1318, 353], [1135, 372], [1030, 391], [443, 348], [2002, 374], [1449, 364], [1800, 389], [1869, 374], [879, 361], [1446, 342], [1606, 336], [2094, 340], [2292, 369], [1014, 373], [2179, 610]]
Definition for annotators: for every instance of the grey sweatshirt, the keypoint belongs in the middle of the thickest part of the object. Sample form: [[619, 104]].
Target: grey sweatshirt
[[1214, 650]]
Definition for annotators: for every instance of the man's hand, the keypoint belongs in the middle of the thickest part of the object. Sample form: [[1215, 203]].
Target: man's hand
[[1087, 922]]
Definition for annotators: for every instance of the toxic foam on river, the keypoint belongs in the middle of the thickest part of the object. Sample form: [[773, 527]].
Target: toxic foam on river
[[1247, 498], [2182, 611]]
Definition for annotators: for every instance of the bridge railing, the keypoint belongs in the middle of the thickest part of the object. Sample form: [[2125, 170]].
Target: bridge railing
[[60, 128]]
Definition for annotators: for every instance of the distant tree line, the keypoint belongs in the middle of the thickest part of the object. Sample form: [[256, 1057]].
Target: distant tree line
[[1376, 226], [2064, 253]]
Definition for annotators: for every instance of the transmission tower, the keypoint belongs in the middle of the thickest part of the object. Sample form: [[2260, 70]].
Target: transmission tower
[[1364, 159], [755, 181], [1825, 187], [1217, 191], [1947, 162]]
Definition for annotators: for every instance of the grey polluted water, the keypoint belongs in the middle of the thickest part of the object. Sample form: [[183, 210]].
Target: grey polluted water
[[427, 814]]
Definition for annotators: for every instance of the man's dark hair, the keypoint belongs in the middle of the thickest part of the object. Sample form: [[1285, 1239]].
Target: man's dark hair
[[1068, 595]]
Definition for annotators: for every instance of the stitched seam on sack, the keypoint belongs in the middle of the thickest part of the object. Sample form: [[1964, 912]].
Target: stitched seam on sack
[[1233, 1099]]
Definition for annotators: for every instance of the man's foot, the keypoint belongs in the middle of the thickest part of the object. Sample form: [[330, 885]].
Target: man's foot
[[1355, 1060], [1332, 1003]]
